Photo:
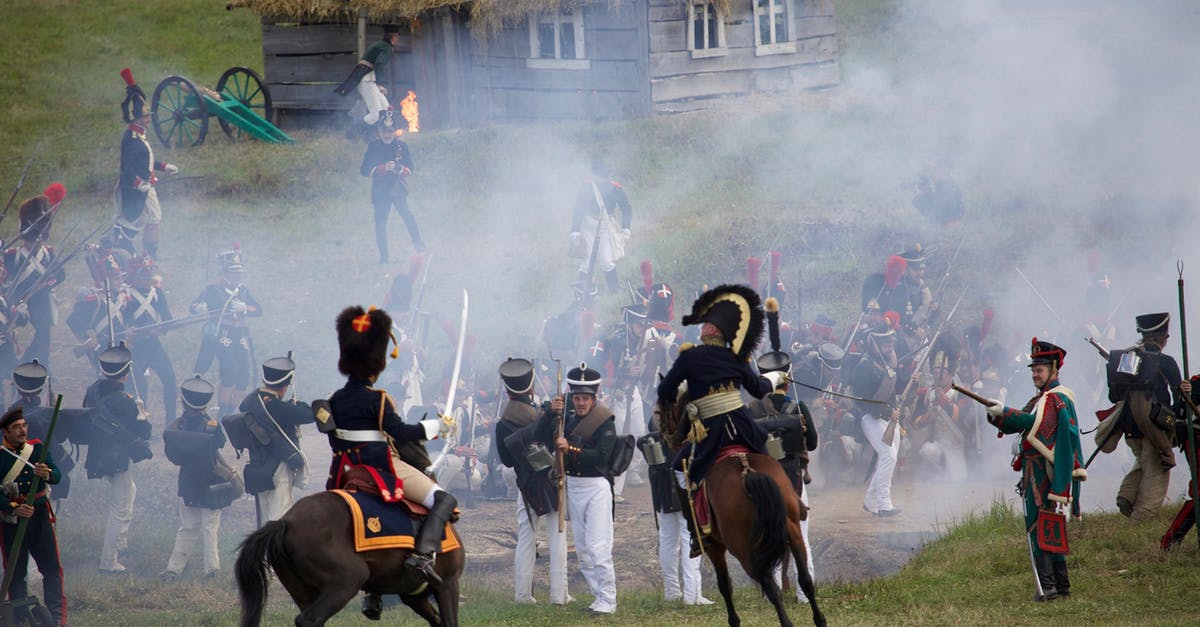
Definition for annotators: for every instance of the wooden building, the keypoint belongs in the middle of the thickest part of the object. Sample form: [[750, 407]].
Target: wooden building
[[472, 61]]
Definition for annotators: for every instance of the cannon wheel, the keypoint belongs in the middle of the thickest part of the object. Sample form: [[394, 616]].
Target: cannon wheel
[[180, 117], [247, 86]]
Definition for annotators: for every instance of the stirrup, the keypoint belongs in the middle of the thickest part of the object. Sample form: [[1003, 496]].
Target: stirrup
[[419, 573]]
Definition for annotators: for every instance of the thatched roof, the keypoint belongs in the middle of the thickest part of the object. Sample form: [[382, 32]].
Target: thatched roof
[[488, 15]]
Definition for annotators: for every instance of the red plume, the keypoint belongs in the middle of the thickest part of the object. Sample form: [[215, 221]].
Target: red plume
[[127, 74], [893, 319], [753, 264], [415, 263], [776, 259], [55, 192], [986, 327], [896, 265], [647, 275]]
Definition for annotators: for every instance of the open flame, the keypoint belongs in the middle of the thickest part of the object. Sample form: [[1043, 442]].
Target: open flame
[[411, 112]]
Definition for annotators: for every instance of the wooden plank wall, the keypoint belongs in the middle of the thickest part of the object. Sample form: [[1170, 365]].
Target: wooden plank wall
[[617, 84], [679, 82], [304, 62]]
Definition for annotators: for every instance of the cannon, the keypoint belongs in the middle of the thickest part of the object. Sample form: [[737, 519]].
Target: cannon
[[241, 103]]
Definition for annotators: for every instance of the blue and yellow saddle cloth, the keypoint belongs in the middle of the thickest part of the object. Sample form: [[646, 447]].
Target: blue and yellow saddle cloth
[[379, 525]]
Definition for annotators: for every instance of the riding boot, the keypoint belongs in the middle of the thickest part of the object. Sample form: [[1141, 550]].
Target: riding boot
[[1045, 573], [418, 571], [372, 606], [1061, 582]]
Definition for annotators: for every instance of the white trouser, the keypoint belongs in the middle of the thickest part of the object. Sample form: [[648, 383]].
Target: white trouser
[[526, 555], [792, 573], [879, 490], [373, 100], [275, 503], [589, 501], [604, 253], [630, 417], [197, 526], [121, 492], [674, 543]]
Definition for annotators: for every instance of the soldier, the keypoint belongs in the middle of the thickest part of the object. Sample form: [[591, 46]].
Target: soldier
[[388, 163], [1049, 461], [146, 306], [593, 224], [120, 436], [363, 79], [32, 271], [875, 378], [226, 336], [623, 353], [942, 427], [537, 495], [89, 318], [368, 432], [276, 462], [1185, 518], [137, 200], [902, 289], [30, 380], [1146, 384], [40, 538], [207, 484], [586, 443]]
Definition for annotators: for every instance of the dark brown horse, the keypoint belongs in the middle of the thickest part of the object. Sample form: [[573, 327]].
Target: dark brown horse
[[311, 550]]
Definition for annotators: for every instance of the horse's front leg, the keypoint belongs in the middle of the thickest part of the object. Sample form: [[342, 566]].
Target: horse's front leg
[[716, 555]]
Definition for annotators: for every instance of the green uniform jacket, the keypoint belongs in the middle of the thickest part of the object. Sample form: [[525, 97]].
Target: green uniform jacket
[[1050, 451], [24, 478]]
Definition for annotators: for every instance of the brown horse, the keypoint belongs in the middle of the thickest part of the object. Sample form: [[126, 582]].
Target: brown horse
[[311, 550], [756, 518]]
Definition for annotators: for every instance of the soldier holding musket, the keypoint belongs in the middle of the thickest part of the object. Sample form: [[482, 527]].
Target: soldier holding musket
[[625, 350], [875, 378], [1049, 462], [31, 272], [536, 496], [277, 464], [146, 306], [31, 379]]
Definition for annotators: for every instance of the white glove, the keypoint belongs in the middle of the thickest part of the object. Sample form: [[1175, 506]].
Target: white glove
[[170, 168], [435, 427], [774, 377], [144, 187], [198, 308], [237, 307], [625, 233], [995, 407]]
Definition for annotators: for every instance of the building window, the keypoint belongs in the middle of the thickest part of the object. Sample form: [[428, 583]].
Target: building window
[[773, 27], [556, 40], [706, 30]]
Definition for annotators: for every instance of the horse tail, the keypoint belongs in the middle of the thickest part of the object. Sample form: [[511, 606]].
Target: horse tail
[[260, 549], [769, 532]]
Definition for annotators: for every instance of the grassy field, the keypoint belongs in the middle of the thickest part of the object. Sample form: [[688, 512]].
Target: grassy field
[[820, 174]]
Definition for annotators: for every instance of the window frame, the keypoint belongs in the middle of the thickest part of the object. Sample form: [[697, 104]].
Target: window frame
[[722, 47], [536, 61], [777, 47]]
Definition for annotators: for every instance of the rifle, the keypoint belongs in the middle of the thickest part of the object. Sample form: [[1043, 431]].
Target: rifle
[[586, 288], [889, 434], [416, 306], [1100, 349], [560, 463], [1038, 294], [1190, 448], [17, 190], [488, 489]]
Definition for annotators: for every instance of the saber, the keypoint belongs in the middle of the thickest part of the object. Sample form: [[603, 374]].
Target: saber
[[448, 416], [832, 393], [1038, 294]]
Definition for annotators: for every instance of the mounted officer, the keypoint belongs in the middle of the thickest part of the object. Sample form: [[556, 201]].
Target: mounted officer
[[146, 306], [366, 431], [120, 436], [276, 462], [537, 495], [207, 484]]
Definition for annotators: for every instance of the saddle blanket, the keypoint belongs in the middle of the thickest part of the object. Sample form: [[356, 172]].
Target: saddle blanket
[[700, 499], [379, 525]]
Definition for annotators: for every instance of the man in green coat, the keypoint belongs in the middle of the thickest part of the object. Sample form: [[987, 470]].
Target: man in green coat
[[1049, 460]]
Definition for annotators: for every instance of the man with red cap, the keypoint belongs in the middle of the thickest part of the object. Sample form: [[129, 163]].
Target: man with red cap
[[1050, 462], [137, 200], [31, 269]]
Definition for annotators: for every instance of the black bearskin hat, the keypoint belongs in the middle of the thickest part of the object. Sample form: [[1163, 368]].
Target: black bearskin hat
[[34, 221], [734, 309], [134, 105], [363, 341]]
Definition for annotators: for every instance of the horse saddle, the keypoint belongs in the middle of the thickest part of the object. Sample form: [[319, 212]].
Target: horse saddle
[[379, 525], [363, 479]]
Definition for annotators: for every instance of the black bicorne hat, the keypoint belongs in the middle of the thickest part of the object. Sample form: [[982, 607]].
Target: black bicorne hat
[[584, 380], [115, 361], [517, 375], [30, 377], [734, 309], [278, 371], [1153, 323], [1042, 352], [196, 392], [363, 341]]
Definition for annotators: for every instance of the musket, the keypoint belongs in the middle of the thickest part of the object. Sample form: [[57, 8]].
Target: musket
[[586, 289], [560, 462], [416, 307], [1191, 440], [1104, 352], [889, 434], [112, 340], [58, 264], [17, 190], [1038, 294]]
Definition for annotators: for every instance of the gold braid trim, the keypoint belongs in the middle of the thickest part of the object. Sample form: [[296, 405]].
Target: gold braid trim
[[719, 401]]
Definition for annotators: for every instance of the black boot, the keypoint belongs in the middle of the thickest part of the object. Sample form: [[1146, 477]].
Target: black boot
[[1045, 573], [1062, 583], [614, 285], [418, 569], [372, 606]]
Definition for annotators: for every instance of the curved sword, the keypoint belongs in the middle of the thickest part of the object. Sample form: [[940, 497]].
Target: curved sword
[[448, 415]]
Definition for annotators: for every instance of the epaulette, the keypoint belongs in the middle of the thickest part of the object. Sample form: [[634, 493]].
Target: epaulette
[[685, 346]]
